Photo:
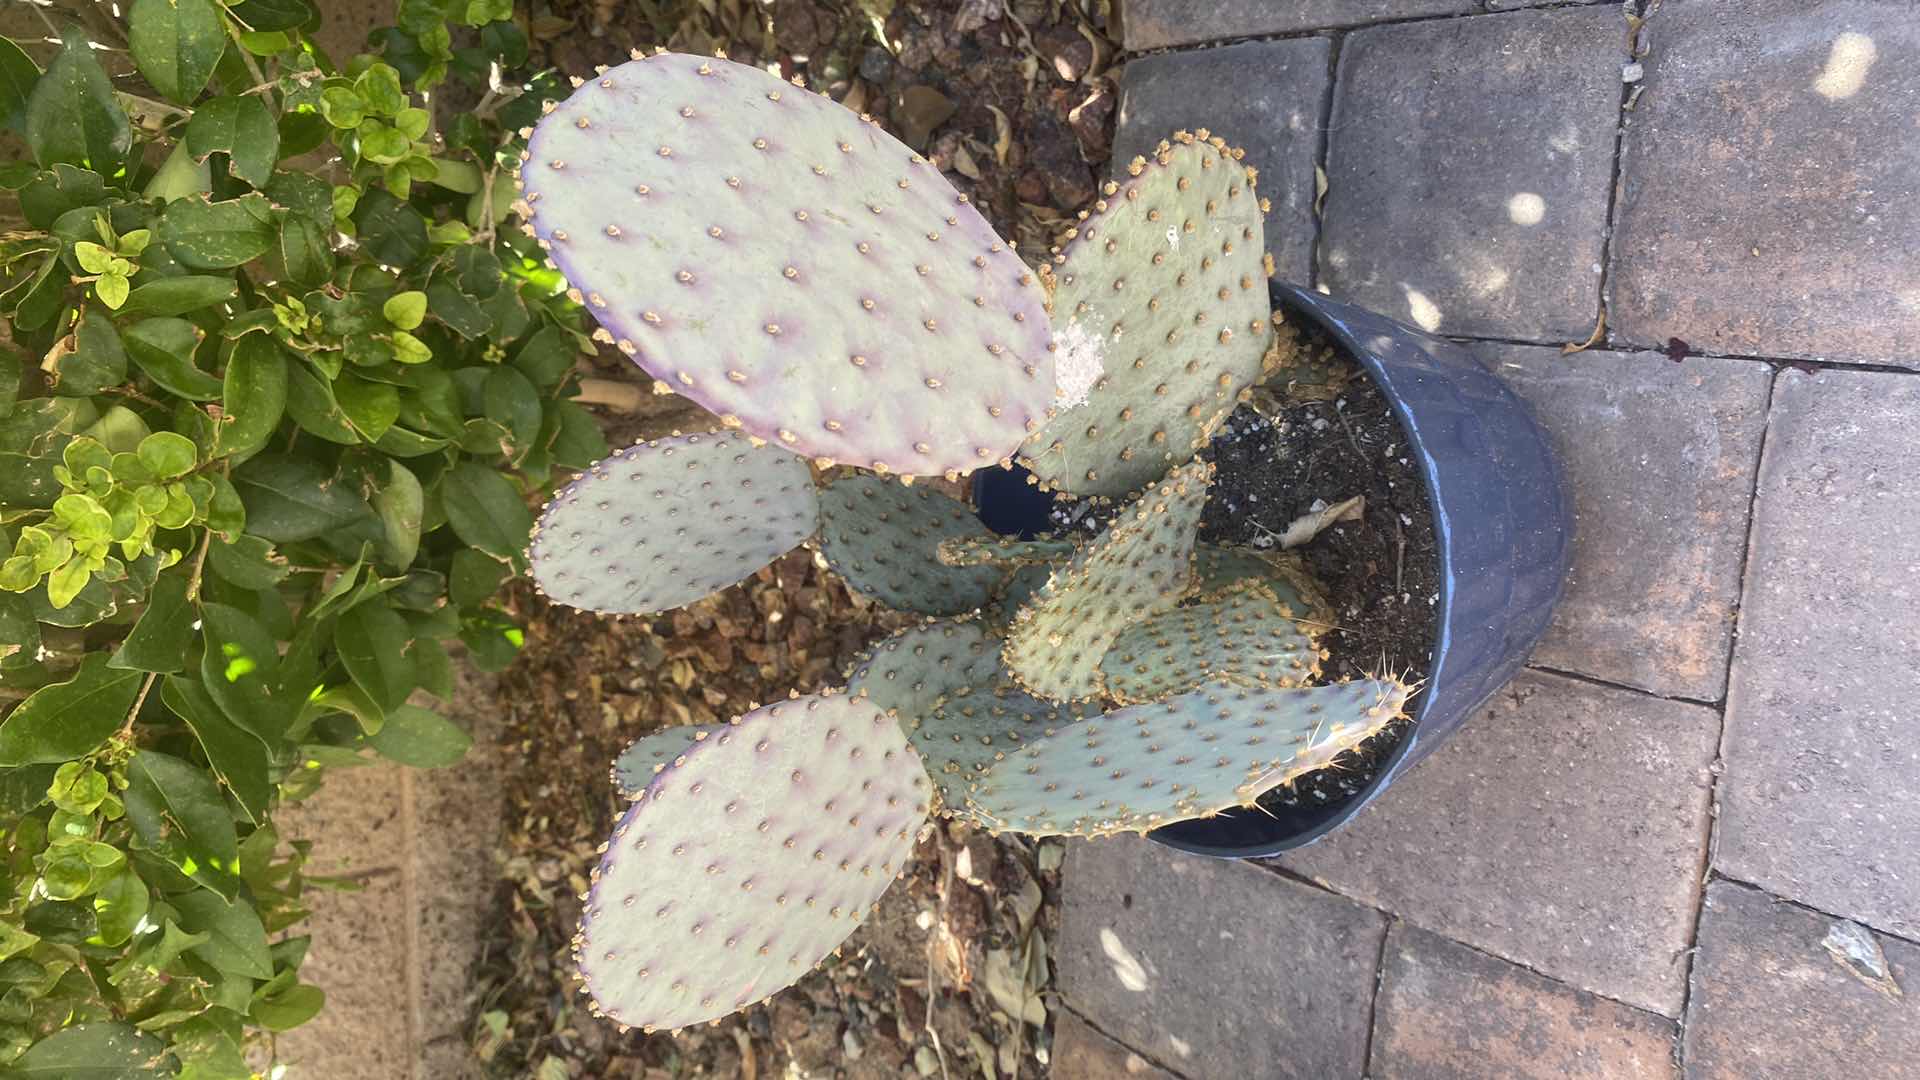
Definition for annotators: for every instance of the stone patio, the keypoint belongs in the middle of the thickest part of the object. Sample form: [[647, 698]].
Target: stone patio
[[1688, 842]]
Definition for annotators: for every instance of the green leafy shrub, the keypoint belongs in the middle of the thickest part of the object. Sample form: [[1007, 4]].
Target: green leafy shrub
[[274, 389]]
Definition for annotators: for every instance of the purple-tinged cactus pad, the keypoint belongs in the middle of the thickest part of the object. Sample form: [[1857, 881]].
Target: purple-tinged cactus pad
[[636, 766], [1240, 635], [905, 674], [1193, 755], [1161, 318], [883, 537], [659, 525], [971, 728], [741, 867], [1140, 566], [792, 268], [1216, 568]]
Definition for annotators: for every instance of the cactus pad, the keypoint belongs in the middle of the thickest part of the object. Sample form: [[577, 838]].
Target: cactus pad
[[741, 867], [1141, 565], [1217, 568], [1239, 636], [971, 728], [650, 754], [1003, 551], [790, 267], [661, 524], [1209, 749], [906, 673], [883, 537], [1160, 315]]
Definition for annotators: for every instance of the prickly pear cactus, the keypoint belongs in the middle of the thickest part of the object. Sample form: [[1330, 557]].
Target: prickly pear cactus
[[748, 861], [911, 670], [1239, 636], [971, 728], [1160, 311], [1002, 551], [792, 268], [659, 525], [884, 538], [1192, 755], [1139, 566], [634, 769], [1220, 567]]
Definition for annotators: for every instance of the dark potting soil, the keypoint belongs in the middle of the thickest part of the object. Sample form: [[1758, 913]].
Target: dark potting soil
[[1277, 459]]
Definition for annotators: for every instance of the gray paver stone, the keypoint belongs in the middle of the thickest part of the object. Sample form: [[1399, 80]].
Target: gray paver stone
[[1770, 182], [1081, 1053], [1821, 798], [1155, 24], [1563, 827], [1770, 998], [1272, 112], [1448, 1012], [1468, 163], [1660, 458], [1221, 970]]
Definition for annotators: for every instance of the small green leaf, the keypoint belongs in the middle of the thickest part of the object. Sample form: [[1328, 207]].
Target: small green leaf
[[241, 127], [176, 44], [179, 176], [167, 454], [421, 738], [112, 290], [312, 405], [371, 407], [379, 87], [98, 359], [92, 257], [406, 310], [509, 399], [304, 250], [93, 1051], [486, 510], [163, 349], [254, 396], [10, 369], [401, 504], [68, 720], [18, 73], [206, 235], [373, 641], [178, 813], [119, 905], [248, 562], [72, 114], [237, 941], [409, 349], [382, 144], [159, 640], [276, 14], [290, 499], [238, 757], [475, 578], [240, 669], [180, 295], [342, 107], [390, 231], [289, 1008]]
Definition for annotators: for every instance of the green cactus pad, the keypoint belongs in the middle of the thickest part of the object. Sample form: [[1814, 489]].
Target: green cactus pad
[[1240, 635], [1018, 592], [909, 671], [649, 754], [971, 728], [1209, 749], [659, 525], [1003, 551], [884, 537], [1217, 568], [792, 268], [742, 866], [1161, 319], [1141, 565]]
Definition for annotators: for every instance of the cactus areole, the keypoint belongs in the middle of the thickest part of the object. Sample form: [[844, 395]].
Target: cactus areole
[[827, 294]]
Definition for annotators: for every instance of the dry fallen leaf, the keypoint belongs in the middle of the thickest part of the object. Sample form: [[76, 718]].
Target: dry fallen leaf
[[1314, 522], [1599, 328]]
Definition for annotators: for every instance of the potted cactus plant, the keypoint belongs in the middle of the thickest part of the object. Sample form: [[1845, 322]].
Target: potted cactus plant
[[856, 325]]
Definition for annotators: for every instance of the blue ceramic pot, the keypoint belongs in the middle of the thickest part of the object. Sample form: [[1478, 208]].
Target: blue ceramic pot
[[1501, 518]]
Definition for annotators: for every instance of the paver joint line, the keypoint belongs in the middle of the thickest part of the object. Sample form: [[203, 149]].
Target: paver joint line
[[1339, 28]]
